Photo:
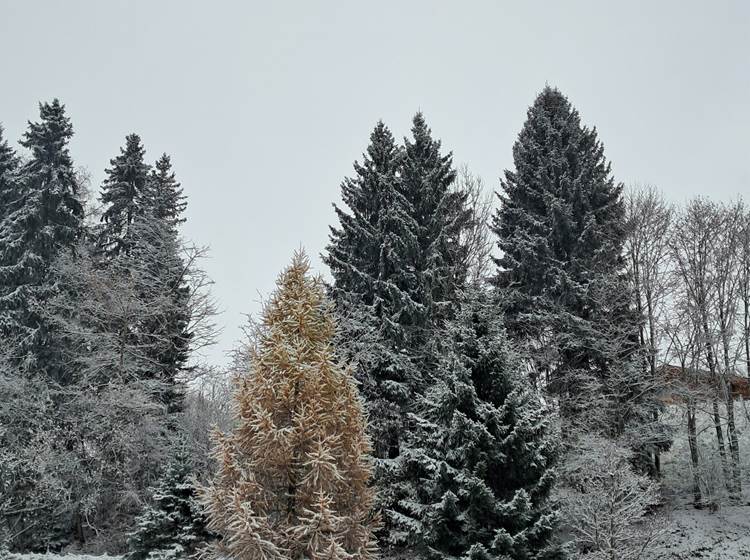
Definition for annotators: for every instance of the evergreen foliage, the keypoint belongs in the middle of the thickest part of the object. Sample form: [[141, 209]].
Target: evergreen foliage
[[163, 196], [440, 216], [560, 231], [293, 476], [164, 330], [355, 246], [173, 526], [143, 208], [121, 193], [485, 460], [9, 164], [398, 264], [45, 219], [363, 256]]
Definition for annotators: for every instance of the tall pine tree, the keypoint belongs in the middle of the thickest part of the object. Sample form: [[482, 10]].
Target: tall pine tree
[[560, 231], [8, 180], [46, 218], [163, 204], [440, 216], [163, 194], [122, 190], [397, 263], [355, 246], [363, 257], [143, 209]]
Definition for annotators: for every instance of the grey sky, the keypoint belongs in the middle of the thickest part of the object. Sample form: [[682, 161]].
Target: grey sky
[[264, 105]]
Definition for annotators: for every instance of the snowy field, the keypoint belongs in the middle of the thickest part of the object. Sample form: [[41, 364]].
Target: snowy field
[[692, 533]]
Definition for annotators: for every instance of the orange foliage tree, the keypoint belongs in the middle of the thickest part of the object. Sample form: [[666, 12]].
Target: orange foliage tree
[[293, 479]]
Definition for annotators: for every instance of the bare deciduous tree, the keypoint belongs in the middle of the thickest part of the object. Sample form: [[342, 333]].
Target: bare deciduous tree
[[477, 237]]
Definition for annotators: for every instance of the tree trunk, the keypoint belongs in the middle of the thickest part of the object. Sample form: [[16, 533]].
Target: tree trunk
[[720, 442], [693, 443], [726, 388], [712, 363], [734, 449]]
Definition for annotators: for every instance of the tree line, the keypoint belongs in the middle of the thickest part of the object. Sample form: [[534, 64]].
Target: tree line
[[464, 386]]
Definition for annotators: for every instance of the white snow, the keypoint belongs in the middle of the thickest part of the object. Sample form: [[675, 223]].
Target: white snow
[[51, 556], [693, 533]]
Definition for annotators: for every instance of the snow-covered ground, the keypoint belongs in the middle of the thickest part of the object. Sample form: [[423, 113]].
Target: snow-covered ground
[[693, 533], [723, 535], [61, 557]]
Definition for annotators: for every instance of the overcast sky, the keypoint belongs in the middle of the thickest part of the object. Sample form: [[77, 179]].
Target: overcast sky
[[265, 105]]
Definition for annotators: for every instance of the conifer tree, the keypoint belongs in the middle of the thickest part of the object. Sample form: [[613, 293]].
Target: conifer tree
[[156, 254], [143, 210], [441, 215], [293, 476], [561, 231], [398, 263], [163, 194], [45, 219], [355, 246], [162, 204], [396, 260], [364, 256], [8, 180], [127, 179], [485, 463], [173, 526]]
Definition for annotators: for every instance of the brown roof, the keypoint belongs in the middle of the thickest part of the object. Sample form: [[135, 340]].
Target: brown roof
[[702, 382]]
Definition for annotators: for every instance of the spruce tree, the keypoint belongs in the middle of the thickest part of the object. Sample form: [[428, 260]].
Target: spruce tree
[[485, 460], [173, 526], [441, 215], [397, 263], [355, 246], [161, 280], [143, 209], [162, 205], [293, 476], [560, 231], [8, 180], [126, 182], [45, 219], [364, 255], [163, 194]]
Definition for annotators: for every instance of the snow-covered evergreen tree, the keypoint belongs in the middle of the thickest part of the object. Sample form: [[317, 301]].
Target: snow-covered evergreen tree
[[163, 194], [355, 246], [173, 526], [9, 163], [143, 208], [397, 262], [126, 182], [561, 231], [45, 220], [160, 252], [293, 478], [440, 215], [363, 257], [485, 459]]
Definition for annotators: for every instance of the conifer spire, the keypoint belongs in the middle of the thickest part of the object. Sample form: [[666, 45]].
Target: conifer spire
[[126, 181], [293, 476], [560, 231], [8, 180], [163, 195], [45, 218]]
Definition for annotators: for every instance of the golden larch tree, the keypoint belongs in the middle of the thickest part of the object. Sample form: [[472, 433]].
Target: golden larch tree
[[293, 475]]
